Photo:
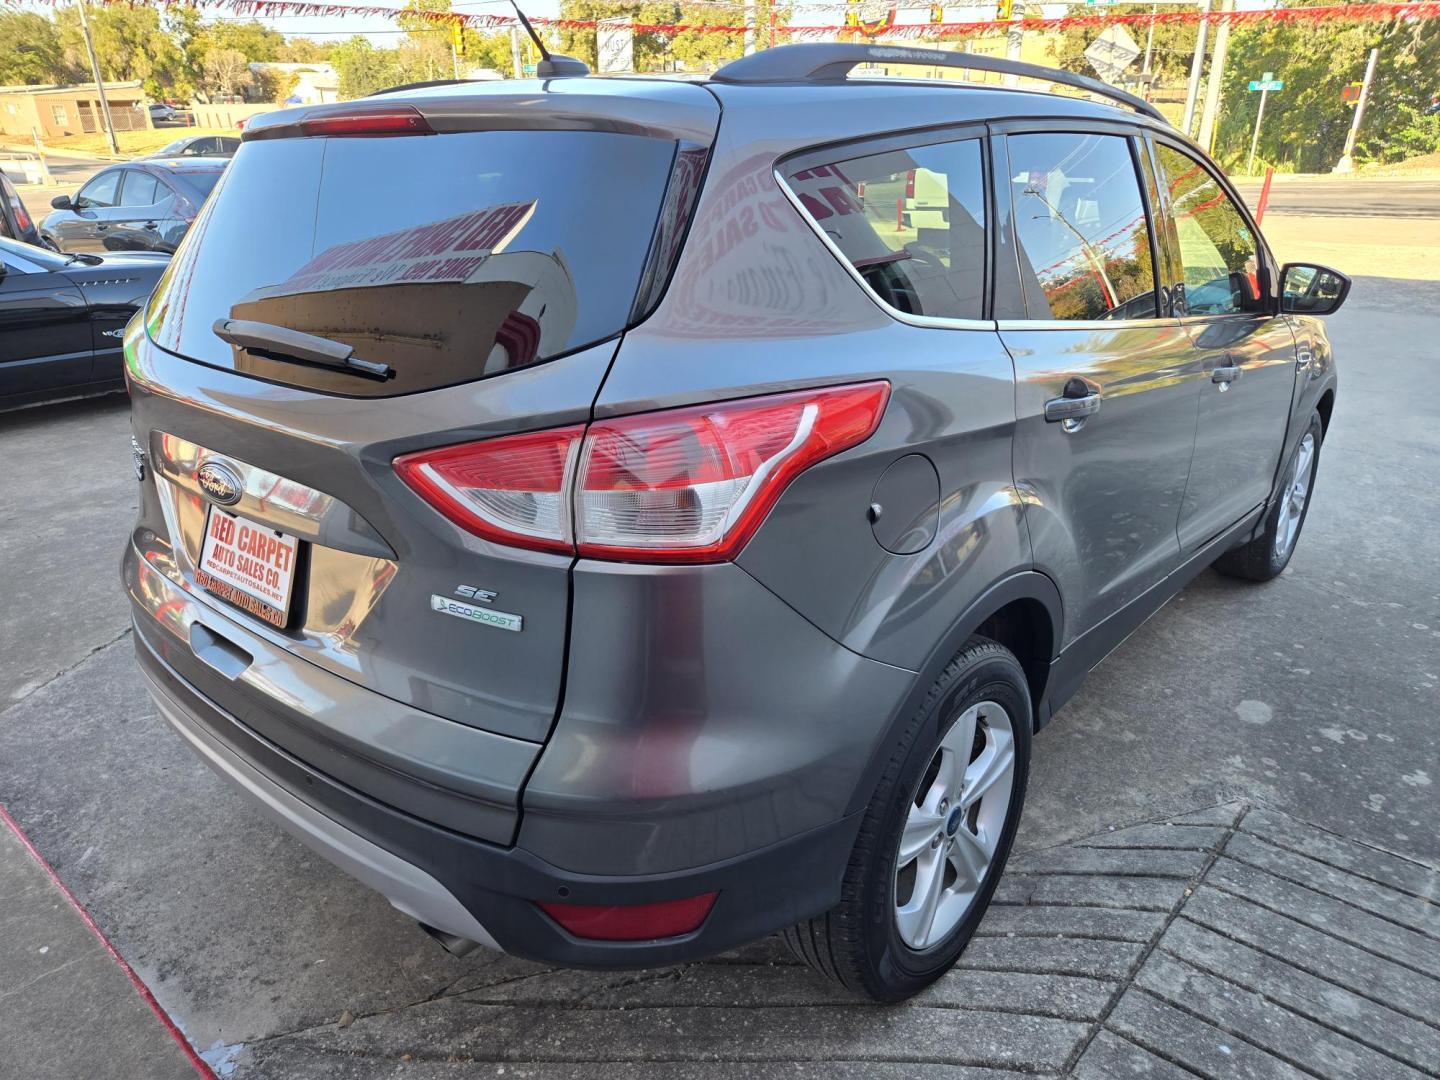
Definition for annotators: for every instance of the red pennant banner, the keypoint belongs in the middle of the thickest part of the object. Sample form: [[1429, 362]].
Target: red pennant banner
[[1424, 10]]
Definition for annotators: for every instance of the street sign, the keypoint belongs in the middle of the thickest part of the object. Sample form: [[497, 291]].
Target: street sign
[[1112, 52], [1267, 82], [528, 69]]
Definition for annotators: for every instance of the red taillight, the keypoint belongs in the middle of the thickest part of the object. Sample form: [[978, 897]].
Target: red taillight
[[514, 489], [22, 219], [686, 485], [910, 184], [368, 120], [632, 922], [693, 485]]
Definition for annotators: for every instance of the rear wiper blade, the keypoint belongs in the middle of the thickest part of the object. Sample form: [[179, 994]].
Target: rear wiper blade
[[282, 343]]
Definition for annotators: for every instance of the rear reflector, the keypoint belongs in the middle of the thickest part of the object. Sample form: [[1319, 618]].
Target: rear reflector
[[632, 922], [368, 120], [685, 485]]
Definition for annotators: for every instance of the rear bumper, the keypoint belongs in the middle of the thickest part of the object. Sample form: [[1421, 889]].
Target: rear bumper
[[485, 892]]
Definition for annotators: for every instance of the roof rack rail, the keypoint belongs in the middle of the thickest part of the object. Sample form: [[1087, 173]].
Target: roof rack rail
[[822, 62]]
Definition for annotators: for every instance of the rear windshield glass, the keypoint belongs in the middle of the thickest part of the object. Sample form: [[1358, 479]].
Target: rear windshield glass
[[196, 184], [447, 257]]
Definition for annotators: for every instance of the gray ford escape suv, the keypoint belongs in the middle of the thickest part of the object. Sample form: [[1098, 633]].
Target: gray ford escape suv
[[621, 518]]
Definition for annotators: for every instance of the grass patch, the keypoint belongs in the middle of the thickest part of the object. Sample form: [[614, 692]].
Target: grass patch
[[132, 143]]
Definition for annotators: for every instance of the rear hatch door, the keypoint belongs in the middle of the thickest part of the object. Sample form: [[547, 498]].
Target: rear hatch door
[[490, 268]]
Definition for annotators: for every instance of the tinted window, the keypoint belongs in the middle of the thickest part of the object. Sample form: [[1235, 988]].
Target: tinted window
[[140, 189], [1081, 228], [911, 222], [1218, 254], [196, 184], [227, 145], [101, 190], [517, 246]]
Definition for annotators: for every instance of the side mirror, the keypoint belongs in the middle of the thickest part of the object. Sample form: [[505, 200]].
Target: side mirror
[[62, 202], [1307, 289]]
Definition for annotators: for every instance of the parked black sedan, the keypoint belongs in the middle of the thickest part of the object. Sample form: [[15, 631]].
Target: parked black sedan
[[199, 146], [142, 206], [62, 317]]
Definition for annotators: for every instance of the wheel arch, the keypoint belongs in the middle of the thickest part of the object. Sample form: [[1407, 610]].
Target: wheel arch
[[1325, 407], [1024, 613]]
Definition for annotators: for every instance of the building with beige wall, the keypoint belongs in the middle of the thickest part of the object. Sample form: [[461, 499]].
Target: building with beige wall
[[58, 111]]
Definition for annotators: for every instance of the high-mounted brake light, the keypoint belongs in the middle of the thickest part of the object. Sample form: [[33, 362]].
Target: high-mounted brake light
[[685, 485], [368, 120]]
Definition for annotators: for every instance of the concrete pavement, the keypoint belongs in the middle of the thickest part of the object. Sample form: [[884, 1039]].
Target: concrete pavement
[[66, 1008], [1290, 934]]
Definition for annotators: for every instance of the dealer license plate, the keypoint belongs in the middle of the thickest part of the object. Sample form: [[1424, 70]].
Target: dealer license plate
[[250, 565]]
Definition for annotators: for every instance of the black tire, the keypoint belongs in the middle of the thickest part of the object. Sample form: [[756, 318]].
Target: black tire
[[1259, 560], [858, 943]]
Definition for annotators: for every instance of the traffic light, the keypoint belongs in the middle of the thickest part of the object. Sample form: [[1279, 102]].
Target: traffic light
[[1003, 11], [457, 37]]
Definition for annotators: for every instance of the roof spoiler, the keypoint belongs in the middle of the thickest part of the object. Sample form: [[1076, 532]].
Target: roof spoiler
[[831, 62]]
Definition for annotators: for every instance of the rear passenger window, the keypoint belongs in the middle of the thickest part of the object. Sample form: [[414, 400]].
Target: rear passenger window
[[911, 222], [1218, 254], [139, 189], [1080, 222]]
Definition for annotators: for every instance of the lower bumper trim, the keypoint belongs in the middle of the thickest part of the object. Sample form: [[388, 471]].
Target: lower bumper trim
[[408, 888]]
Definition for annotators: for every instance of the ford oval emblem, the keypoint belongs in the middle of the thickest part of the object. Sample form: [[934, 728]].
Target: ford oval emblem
[[220, 482]]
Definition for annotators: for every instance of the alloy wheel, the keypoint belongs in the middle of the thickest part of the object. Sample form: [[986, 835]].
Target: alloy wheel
[[953, 828]]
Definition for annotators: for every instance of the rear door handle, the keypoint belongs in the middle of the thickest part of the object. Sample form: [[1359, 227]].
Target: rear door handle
[[1224, 376]]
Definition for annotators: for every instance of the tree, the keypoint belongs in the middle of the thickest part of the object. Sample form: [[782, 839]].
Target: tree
[[129, 44], [1171, 54], [227, 73], [1306, 122], [364, 69], [303, 50], [656, 50], [30, 50], [252, 40], [273, 85]]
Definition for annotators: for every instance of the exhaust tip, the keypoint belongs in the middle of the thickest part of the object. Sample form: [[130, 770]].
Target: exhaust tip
[[454, 944]]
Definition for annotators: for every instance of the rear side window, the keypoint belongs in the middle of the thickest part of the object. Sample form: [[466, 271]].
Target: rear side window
[[910, 221], [140, 189], [448, 257], [1080, 223], [1219, 258]]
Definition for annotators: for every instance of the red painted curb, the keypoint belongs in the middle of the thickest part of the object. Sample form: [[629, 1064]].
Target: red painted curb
[[140, 988]]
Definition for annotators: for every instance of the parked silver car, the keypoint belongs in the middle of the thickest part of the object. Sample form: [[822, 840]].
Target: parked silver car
[[586, 511]]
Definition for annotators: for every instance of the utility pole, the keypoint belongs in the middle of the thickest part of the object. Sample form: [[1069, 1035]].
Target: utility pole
[[1150, 40], [515, 53], [99, 82], [1197, 64], [1015, 37], [1255, 138], [1209, 117], [1347, 159], [749, 38]]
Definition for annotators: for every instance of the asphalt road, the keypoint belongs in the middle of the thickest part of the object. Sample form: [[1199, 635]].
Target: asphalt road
[[1322, 196], [1314, 695]]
